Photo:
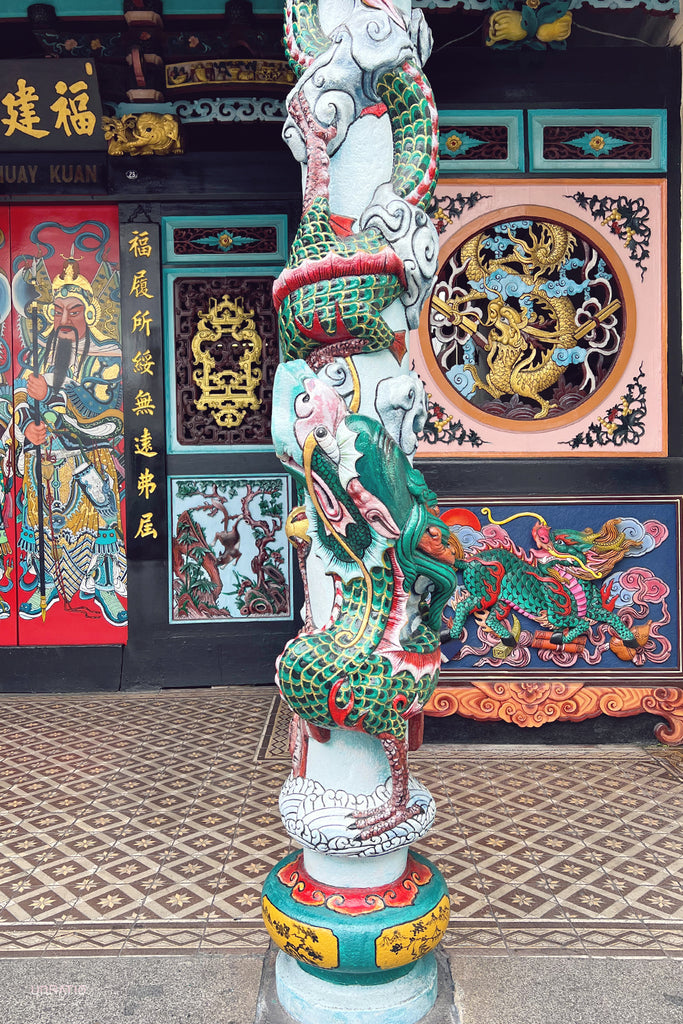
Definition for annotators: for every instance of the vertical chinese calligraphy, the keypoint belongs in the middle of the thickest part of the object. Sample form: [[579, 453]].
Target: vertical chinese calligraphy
[[140, 259]]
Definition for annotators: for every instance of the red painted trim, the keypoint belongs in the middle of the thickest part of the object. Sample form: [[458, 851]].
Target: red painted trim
[[401, 893]]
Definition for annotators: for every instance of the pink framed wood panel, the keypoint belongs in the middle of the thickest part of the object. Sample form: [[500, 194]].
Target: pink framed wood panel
[[544, 334]]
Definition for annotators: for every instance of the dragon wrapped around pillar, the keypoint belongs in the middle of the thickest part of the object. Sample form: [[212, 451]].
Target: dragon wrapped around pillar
[[378, 563]]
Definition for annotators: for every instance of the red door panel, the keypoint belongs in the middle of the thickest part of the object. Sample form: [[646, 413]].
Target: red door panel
[[8, 592], [69, 486]]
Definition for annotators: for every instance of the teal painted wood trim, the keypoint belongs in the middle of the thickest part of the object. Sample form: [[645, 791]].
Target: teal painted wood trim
[[216, 225], [660, 6], [287, 504], [591, 120], [114, 8], [513, 120], [173, 447]]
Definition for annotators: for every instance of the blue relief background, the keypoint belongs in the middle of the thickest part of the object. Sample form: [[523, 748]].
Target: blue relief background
[[642, 587]]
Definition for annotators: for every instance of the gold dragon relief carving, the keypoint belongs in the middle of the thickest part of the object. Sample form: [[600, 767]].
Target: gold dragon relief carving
[[526, 319], [226, 333]]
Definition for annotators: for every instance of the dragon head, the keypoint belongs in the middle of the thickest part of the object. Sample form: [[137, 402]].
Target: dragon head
[[587, 553], [362, 494]]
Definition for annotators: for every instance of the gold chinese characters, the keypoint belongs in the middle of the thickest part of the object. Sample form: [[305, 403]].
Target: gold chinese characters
[[71, 108]]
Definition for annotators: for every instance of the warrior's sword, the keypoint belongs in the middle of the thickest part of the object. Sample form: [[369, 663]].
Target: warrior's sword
[[38, 457]]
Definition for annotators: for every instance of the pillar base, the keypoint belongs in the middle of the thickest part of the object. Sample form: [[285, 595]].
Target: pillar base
[[311, 999]]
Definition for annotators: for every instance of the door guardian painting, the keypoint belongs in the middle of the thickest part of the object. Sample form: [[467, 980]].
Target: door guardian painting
[[68, 428]]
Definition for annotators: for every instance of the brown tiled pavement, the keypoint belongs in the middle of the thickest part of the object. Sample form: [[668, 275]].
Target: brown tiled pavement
[[143, 824]]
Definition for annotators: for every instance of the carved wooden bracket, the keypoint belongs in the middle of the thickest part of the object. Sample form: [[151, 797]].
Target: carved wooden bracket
[[533, 703]]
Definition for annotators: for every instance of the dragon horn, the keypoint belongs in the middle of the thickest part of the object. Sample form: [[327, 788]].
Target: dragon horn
[[519, 515], [575, 558]]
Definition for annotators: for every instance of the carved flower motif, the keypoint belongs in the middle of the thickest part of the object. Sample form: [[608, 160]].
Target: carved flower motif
[[193, 41], [530, 692], [95, 44], [453, 142], [533, 4], [597, 143], [225, 240], [70, 44]]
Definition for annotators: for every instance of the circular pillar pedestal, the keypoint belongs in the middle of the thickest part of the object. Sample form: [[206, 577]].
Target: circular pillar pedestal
[[402, 998], [356, 954]]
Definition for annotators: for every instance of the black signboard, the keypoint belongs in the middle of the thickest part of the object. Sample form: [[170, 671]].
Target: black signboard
[[53, 174], [50, 106], [143, 389]]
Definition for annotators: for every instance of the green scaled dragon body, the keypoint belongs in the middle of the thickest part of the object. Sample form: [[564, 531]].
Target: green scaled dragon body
[[364, 244], [342, 274], [374, 665]]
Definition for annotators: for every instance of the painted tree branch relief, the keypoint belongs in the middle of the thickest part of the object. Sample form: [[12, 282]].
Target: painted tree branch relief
[[229, 553], [564, 586]]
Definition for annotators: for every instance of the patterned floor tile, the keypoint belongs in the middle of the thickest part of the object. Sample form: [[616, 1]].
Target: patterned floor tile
[[147, 823], [464, 936], [528, 940]]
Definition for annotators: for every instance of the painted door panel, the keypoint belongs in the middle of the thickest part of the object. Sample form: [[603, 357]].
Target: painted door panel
[[8, 592], [71, 567]]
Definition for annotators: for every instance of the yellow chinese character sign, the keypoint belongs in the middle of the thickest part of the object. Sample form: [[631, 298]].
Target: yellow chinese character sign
[[143, 362], [47, 108], [141, 322], [146, 526], [143, 445], [139, 245], [139, 285], [146, 485], [21, 111], [72, 109], [143, 404]]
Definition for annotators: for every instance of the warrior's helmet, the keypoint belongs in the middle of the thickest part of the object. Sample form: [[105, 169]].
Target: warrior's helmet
[[71, 283]]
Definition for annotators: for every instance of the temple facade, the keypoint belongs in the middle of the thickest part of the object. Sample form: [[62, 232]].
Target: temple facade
[[147, 206]]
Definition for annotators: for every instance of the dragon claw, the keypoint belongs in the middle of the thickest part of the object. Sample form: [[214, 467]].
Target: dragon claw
[[375, 823], [625, 649]]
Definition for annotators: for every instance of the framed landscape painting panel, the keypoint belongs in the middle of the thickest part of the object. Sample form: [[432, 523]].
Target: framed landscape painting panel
[[229, 558]]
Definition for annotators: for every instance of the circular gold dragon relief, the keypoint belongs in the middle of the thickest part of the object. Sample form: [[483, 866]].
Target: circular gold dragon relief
[[527, 320]]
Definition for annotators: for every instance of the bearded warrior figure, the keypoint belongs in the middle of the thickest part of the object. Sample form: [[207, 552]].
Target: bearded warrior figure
[[76, 388]]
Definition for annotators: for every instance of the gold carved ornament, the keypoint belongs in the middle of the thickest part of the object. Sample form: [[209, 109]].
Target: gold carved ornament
[[228, 394], [144, 134], [516, 337]]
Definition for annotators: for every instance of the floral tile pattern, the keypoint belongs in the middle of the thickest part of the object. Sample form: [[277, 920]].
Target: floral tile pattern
[[137, 824]]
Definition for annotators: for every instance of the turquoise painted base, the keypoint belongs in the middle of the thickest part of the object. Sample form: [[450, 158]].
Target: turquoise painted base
[[329, 941], [312, 1000]]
